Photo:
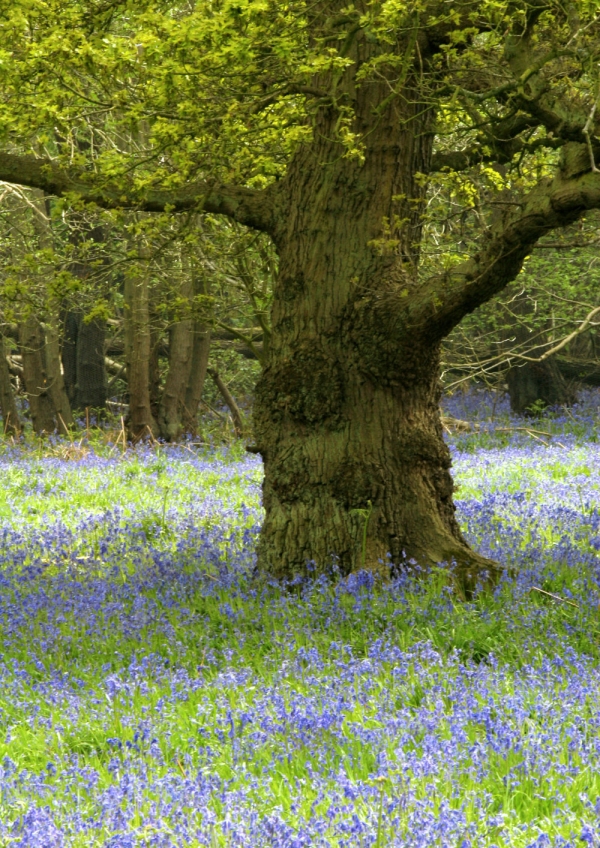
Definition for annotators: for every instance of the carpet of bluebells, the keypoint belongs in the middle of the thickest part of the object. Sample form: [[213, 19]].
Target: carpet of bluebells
[[154, 692]]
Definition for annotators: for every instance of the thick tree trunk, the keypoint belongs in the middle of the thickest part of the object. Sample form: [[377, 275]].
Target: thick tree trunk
[[181, 339], [8, 406], [347, 408], [342, 451], [142, 423], [35, 378]]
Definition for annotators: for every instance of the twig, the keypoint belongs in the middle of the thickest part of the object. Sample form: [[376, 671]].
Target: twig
[[555, 597], [529, 430], [533, 436]]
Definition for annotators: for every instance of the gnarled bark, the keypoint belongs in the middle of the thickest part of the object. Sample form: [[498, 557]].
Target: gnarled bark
[[346, 415]]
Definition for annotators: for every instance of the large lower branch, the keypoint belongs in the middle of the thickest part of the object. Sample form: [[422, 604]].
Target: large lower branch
[[446, 298], [249, 207]]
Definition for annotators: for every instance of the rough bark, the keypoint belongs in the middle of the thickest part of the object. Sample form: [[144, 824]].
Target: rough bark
[[8, 406], [32, 344], [347, 417], [142, 423], [181, 339]]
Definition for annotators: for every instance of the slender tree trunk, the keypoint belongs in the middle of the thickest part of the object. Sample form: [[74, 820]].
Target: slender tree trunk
[[154, 366], [35, 378], [181, 339], [69, 355], [533, 384], [56, 384], [83, 361], [236, 415], [91, 367], [196, 377], [142, 423], [198, 362], [537, 384], [347, 408], [8, 406]]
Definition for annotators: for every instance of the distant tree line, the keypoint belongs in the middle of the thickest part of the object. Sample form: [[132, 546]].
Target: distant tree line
[[120, 313]]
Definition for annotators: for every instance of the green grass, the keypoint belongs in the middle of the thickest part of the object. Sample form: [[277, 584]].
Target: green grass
[[153, 691]]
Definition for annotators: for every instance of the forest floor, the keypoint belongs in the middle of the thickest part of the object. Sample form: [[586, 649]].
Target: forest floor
[[153, 693]]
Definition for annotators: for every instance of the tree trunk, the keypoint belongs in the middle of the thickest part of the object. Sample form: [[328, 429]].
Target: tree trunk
[[198, 362], [536, 385], [56, 384], [154, 365], [347, 408], [32, 344], [142, 423], [533, 385], [83, 361], [69, 355], [8, 406], [181, 340], [91, 367], [236, 415], [196, 377]]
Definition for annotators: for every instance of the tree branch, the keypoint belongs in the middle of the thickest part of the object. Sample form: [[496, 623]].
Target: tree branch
[[445, 299], [501, 153], [252, 208]]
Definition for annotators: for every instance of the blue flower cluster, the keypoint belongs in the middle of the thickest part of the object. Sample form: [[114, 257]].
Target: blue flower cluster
[[153, 692]]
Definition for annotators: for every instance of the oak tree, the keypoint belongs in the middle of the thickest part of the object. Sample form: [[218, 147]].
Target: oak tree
[[322, 124]]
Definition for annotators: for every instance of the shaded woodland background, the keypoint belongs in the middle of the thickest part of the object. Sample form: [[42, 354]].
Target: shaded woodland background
[[160, 325]]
